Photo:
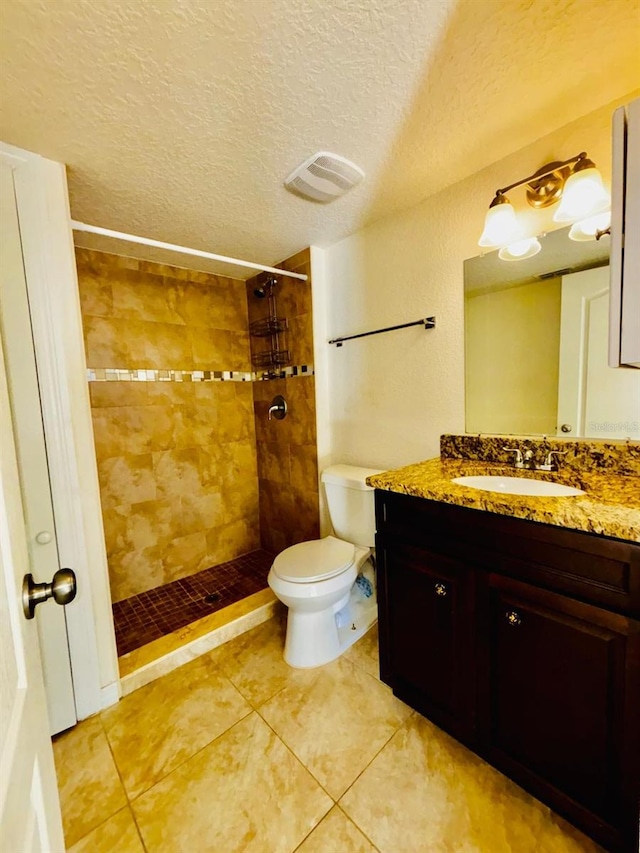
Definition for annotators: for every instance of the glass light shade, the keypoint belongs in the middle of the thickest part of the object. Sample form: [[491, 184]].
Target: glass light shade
[[520, 250], [586, 228], [500, 226], [583, 196]]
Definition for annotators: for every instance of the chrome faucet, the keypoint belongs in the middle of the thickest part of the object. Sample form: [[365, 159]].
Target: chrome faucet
[[519, 461], [548, 460]]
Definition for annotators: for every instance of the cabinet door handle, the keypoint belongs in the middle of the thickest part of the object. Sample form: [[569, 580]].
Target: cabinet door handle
[[513, 617], [441, 589]]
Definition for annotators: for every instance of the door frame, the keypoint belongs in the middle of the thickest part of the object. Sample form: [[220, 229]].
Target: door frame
[[49, 261]]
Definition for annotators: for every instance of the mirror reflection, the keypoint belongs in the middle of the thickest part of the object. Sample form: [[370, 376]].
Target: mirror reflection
[[536, 337]]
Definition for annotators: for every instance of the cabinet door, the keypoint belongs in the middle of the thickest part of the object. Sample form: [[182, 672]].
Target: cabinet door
[[557, 700], [426, 625]]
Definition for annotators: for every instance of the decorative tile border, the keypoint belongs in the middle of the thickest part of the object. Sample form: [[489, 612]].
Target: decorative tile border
[[117, 374]]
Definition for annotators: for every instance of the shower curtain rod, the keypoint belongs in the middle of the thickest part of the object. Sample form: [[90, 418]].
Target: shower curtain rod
[[185, 250]]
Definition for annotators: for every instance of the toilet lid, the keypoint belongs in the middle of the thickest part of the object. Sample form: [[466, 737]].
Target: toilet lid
[[318, 559]]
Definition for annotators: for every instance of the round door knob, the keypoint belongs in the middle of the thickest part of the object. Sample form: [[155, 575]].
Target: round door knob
[[62, 589], [44, 537], [440, 589], [566, 427]]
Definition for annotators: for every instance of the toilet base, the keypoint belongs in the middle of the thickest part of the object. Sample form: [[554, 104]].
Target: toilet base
[[314, 639]]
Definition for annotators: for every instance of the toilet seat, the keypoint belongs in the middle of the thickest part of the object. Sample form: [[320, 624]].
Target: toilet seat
[[318, 559]]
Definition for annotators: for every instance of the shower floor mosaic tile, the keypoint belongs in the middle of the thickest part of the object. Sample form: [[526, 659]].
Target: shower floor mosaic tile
[[146, 617]]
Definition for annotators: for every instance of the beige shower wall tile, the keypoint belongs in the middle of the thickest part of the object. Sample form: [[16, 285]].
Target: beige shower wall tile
[[96, 296], [218, 306], [133, 572], [153, 523], [240, 500], [273, 462], [231, 540], [196, 425], [126, 480], [167, 346], [219, 349], [184, 555], [301, 339], [119, 394], [111, 342], [104, 261], [238, 460], [176, 473], [303, 460], [132, 429], [140, 296], [302, 408], [202, 512], [210, 466], [305, 517], [171, 393], [114, 520]]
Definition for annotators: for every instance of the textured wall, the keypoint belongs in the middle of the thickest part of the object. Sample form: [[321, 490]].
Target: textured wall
[[287, 449], [393, 395], [176, 460]]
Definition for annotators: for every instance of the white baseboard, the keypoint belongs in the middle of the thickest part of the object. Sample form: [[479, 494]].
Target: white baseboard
[[109, 695]]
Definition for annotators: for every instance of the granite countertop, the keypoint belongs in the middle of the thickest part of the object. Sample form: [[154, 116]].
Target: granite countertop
[[610, 507]]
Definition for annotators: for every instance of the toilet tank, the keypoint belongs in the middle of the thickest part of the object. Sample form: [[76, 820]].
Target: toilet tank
[[351, 503]]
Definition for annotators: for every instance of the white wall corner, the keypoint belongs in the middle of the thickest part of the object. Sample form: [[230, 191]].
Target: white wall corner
[[319, 296]]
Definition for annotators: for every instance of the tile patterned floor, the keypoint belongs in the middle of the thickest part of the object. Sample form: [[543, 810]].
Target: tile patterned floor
[[236, 752], [146, 617]]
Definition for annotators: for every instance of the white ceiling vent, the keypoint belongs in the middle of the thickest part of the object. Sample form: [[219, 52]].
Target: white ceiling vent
[[324, 177]]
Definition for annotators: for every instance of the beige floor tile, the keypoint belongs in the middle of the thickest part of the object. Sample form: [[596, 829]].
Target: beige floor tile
[[89, 785], [337, 723], [119, 834], [426, 793], [364, 653], [255, 665], [157, 727], [244, 793], [336, 834]]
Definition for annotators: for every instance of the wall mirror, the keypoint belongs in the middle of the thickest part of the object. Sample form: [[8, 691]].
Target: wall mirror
[[536, 336]]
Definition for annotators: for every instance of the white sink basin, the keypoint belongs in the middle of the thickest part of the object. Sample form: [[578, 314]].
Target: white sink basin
[[518, 486]]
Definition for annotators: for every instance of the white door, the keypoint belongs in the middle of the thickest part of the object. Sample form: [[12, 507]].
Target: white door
[[22, 380], [593, 398], [29, 806]]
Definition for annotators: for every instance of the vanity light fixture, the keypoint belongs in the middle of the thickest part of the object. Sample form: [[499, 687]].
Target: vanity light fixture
[[588, 229], [520, 250], [575, 183]]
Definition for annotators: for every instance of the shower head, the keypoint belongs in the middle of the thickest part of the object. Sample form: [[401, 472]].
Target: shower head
[[264, 288]]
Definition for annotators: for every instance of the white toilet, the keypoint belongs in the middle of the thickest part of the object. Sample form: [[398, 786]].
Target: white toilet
[[316, 579]]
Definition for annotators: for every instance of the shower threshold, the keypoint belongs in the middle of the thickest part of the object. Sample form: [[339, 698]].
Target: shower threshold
[[146, 617]]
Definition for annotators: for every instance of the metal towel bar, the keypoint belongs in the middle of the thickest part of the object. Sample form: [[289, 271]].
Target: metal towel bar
[[427, 322]]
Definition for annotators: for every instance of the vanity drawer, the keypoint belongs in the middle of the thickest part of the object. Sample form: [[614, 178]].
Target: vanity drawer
[[593, 568]]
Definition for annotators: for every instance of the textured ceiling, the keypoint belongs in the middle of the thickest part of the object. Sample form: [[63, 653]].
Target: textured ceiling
[[179, 120]]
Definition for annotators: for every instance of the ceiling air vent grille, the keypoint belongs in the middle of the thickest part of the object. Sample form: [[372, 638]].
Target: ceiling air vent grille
[[324, 177]]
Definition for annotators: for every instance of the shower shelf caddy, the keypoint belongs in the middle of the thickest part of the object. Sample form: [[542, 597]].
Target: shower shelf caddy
[[272, 327]]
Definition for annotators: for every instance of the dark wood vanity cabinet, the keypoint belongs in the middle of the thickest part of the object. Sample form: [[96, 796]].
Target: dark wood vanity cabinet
[[429, 634], [523, 641]]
